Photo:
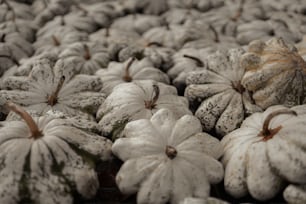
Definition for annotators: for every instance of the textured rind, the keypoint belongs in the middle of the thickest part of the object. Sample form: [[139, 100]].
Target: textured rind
[[50, 168], [259, 167], [150, 172], [295, 194], [127, 103], [223, 102], [79, 95], [275, 73]]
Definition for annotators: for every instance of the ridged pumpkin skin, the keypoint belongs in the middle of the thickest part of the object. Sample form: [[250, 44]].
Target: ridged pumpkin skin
[[224, 102], [167, 159], [295, 194], [275, 73], [131, 101], [48, 169], [259, 162]]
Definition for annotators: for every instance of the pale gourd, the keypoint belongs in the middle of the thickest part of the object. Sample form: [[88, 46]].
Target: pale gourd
[[46, 159], [220, 100], [137, 100], [128, 71], [12, 10], [295, 194], [265, 152], [167, 158], [91, 56], [59, 87], [208, 200], [275, 73]]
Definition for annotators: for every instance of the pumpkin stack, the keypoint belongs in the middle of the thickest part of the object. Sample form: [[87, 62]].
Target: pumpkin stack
[[164, 101]]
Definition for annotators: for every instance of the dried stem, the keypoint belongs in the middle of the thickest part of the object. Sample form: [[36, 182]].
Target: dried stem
[[170, 152], [2, 38], [87, 55], [268, 133], [55, 40], [217, 39], [52, 99], [127, 77], [197, 60], [238, 87], [239, 11], [151, 104], [35, 132]]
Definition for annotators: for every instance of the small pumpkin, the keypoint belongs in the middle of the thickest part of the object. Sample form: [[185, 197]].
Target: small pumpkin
[[224, 103], [59, 87], [160, 56], [200, 5], [46, 159], [18, 47], [167, 159], [295, 194], [180, 15], [267, 150], [57, 39], [12, 10], [131, 70], [91, 56], [139, 23], [275, 73], [136, 100]]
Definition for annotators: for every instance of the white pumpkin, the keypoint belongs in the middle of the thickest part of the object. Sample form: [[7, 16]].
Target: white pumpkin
[[24, 27], [91, 56], [267, 150], [220, 100], [56, 40], [295, 194], [131, 70], [139, 23], [46, 11], [12, 10], [137, 100], [43, 159], [202, 5], [18, 47], [180, 15], [161, 57], [59, 87], [275, 73], [167, 159]]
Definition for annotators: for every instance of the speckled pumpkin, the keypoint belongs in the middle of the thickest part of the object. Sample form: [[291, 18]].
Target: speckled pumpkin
[[275, 73], [167, 159], [265, 152]]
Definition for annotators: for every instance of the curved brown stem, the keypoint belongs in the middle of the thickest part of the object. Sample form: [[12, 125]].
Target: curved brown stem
[[268, 133], [127, 77], [153, 43], [56, 42], [52, 99], [239, 11], [170, 152], [87, 55], [151, 104], [197, 60], [217, 39], [34, 130]]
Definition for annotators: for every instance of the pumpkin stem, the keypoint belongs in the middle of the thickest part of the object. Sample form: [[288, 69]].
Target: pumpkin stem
[[197, 60], [52, 99], [87, 55], [152, 103], [2, 39], [127, 77], [238, 87], [35, 132], [149, 44], [239, 11], [56, 42], [217, 39], [170, 152], [268, 133]]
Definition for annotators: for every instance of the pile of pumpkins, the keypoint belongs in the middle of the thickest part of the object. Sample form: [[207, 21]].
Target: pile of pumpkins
[[202, 101]]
